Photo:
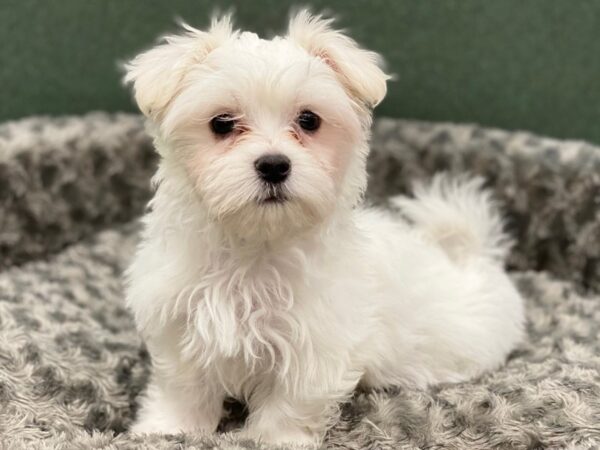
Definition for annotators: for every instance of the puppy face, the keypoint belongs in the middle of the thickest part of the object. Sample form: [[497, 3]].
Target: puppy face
[[272, 133]]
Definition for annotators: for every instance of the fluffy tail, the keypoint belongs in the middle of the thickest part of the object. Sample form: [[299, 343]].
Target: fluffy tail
[[459, 215]]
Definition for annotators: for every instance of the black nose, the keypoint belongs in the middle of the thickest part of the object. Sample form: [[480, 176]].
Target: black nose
[[273, 168]]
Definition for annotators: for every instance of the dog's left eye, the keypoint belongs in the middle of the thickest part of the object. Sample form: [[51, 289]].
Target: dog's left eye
[[309, 121], [222, 124]]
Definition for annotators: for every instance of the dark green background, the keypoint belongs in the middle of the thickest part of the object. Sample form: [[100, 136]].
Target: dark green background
[[516, 64]]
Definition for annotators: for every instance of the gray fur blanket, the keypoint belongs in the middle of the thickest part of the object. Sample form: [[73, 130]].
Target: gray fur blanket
[[72, 365]]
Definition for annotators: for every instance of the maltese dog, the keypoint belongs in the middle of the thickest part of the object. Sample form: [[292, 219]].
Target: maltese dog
[[261, 276]]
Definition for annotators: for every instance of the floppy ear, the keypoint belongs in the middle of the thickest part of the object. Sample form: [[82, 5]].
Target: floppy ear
[[157, 74], [358, 70]]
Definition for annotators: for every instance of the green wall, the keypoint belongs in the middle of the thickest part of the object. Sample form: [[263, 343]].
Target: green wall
[[526, 64]]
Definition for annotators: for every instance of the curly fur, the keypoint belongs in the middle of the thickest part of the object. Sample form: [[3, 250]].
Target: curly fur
[[288, 306]]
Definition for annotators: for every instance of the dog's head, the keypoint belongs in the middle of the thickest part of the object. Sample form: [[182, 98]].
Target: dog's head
[[272, 133]]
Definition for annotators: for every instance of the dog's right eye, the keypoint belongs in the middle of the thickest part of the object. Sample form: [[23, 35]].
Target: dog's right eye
[[222, 124]]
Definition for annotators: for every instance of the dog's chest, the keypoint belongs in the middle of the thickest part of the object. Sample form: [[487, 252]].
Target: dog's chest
[[241, 314]]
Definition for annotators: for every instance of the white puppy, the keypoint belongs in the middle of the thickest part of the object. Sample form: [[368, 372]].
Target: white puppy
[[259, 274]]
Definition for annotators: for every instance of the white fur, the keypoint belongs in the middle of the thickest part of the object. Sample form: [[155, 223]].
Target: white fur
[[290, 306]]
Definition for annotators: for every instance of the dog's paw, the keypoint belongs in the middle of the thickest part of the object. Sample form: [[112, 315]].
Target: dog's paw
[[149, 426], [279, 436], [165, 425]]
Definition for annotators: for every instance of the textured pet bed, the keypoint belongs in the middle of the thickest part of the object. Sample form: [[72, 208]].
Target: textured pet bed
[[72, 365]]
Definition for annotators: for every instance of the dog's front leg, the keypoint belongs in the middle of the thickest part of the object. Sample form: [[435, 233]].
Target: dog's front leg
[[283, 419], [181, 396], [172, 409], [301, 414]]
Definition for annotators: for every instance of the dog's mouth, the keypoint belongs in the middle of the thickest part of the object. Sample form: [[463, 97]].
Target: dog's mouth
[[273, 199], [273, 195]]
